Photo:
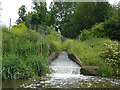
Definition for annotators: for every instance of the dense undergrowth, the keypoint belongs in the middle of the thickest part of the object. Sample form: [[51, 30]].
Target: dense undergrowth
[[94, 52], [25, 52], [94, 48]]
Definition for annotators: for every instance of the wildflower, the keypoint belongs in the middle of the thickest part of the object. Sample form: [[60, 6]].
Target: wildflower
[[105, 44]]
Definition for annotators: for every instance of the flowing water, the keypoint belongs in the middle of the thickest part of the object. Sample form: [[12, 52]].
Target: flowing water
[[65, 73]]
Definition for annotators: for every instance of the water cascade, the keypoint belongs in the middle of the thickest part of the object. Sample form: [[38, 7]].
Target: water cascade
[[63, 65]]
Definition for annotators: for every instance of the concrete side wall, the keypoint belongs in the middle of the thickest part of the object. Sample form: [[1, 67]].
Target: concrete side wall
[[76, 59], [53, 56]]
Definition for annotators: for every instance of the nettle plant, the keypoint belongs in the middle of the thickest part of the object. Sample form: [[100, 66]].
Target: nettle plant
[[111, 54]]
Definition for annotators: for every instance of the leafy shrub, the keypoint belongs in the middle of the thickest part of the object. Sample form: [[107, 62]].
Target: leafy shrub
[[112, 28], [111, 54], [18, 29], [85, 35], [98, 30]]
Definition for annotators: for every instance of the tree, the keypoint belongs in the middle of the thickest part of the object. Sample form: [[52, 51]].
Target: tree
[[22, 15], [112, 25], [85, 15], [35, 18], [40, 15], [62, 12]]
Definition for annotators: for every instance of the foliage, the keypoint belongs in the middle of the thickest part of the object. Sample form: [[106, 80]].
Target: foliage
[[105, 70], [112, 28], [67, 44], [38, 64], [19, 29], [86, 15], [98, 30], [54, 42], [89, 52], [72, 18], [21, 13], [85, 35], [111, 54], [39, 16], [21, 49], [14, 67], [51, 30], [108, 28], [62, 12]]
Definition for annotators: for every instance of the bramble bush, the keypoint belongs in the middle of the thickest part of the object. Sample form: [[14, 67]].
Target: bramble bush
[[111, 54]]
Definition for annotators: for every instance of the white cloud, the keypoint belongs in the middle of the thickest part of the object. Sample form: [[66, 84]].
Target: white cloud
[[113, 1]]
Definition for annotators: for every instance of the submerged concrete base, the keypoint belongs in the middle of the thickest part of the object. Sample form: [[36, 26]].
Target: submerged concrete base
[[89, 70]]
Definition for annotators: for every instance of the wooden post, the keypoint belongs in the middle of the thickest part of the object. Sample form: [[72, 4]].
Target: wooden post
[[9, 25], [41, 46]]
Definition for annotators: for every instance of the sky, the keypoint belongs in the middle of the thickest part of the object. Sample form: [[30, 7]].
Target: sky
[[10, 9]]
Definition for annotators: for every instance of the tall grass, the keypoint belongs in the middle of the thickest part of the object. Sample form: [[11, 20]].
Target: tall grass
[[55, 43], [24, 53], [89, 51]]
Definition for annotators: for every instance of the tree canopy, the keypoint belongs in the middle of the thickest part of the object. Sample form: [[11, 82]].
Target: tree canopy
[[71, 18], [86, 14]]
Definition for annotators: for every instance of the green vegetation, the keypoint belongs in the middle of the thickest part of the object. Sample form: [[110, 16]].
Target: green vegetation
[[94, 52], [25, 52], [21, 52], [92, 32]]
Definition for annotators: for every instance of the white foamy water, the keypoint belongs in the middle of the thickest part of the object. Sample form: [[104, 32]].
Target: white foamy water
[[64, 65]]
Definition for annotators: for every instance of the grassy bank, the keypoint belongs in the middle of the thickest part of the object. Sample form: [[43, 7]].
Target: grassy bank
[[92, 51], [24, 53], [101, 52]]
